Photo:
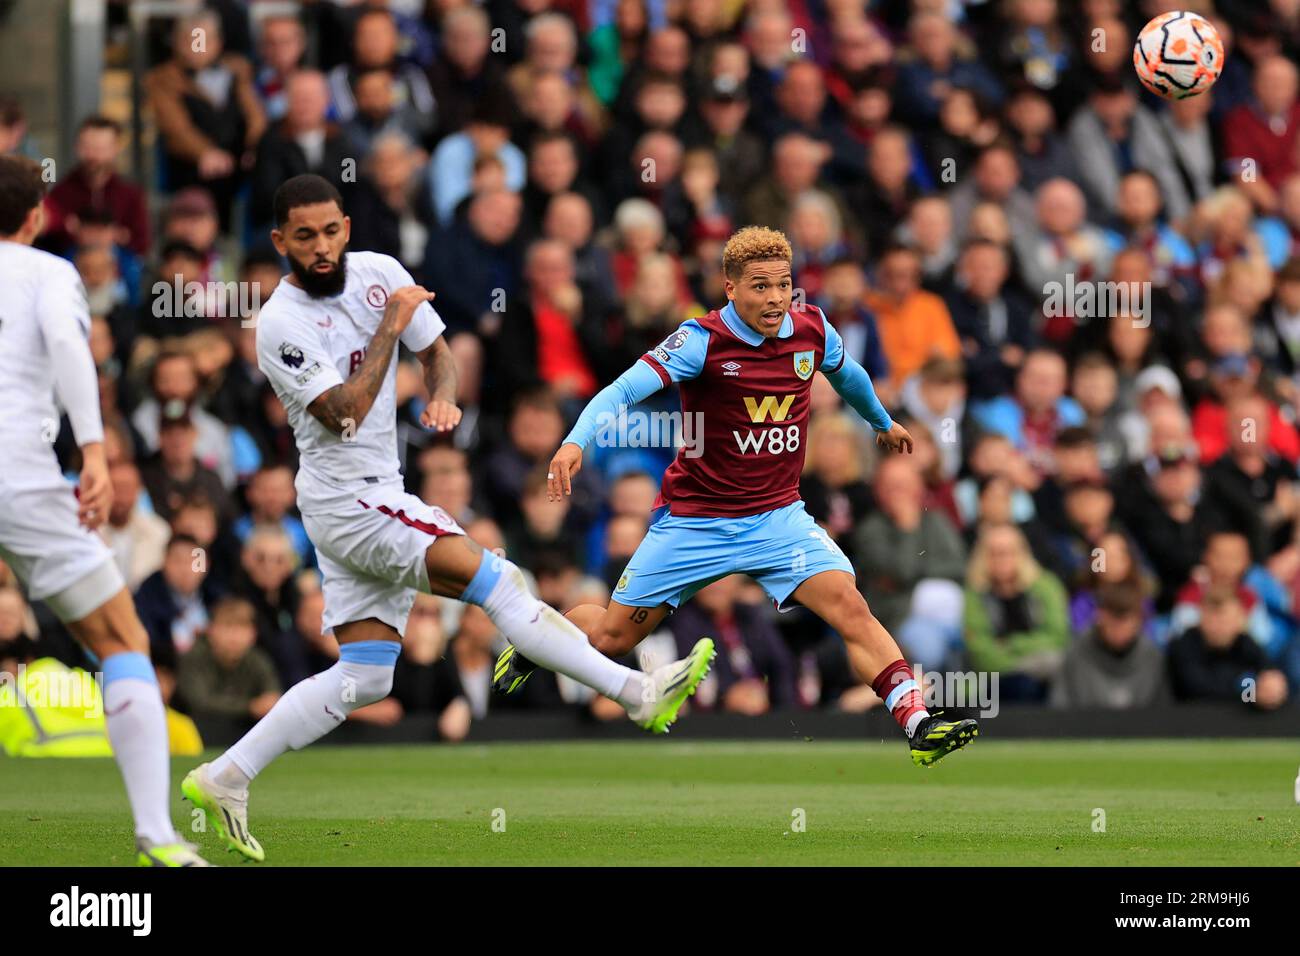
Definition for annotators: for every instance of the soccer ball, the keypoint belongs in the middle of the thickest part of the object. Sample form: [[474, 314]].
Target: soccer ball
[[1177, 55]]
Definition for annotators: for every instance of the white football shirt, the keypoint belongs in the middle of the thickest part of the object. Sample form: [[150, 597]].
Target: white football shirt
[[307, 346], [44, 337]]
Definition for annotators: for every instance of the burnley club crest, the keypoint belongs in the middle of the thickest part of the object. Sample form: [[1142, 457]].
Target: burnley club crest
[[803, 364]]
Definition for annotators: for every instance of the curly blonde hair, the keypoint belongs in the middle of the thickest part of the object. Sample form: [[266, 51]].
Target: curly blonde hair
[[753, 244]]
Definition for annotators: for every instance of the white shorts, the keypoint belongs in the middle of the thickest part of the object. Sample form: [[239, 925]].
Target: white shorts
[[372, 559], [50, 551]]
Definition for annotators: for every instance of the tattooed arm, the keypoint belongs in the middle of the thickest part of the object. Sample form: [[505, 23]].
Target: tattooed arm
[[441, 414], [346, 406]]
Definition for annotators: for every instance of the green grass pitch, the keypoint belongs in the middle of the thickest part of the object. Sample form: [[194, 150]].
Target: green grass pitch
[[1187, 802]]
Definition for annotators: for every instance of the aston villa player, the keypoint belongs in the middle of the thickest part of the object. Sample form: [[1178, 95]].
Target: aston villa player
[[735, 508]]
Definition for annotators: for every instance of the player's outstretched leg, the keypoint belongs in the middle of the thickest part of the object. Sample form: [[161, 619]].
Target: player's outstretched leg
[[363, 674], [134, 714], [513, 669], [546, 637], [875, 657]]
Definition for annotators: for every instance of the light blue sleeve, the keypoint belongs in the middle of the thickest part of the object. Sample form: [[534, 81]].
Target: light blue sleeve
[[854, 385], [682, 354], [834, 355], [635, 385]]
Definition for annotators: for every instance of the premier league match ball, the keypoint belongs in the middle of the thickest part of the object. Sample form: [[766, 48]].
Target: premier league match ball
[[1177, 55]]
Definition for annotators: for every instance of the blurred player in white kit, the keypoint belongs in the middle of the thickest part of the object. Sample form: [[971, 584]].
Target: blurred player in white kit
[[47, 527]]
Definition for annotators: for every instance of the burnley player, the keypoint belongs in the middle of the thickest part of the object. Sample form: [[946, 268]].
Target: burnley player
[[735, 508], [327, 339]]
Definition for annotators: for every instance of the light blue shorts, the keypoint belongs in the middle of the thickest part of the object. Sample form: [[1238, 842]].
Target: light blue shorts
[[679, 555]]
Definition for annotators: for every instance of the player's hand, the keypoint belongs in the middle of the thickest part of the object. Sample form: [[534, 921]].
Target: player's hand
[[94, 491], [896, 439], [566, 463], [402, 304], [440, 415]]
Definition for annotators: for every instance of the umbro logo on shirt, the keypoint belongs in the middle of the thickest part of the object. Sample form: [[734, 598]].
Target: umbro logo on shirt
[[730, 368]]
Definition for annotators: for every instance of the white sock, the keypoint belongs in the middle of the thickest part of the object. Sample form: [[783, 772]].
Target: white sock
[[309, 711], [547, 637], [137, 728]]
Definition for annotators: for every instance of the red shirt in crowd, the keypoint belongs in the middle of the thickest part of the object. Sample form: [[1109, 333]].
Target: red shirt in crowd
[[74, 195], [1248, 134]]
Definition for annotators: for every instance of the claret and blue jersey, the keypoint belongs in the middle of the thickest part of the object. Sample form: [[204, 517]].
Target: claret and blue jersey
[[733, 506]]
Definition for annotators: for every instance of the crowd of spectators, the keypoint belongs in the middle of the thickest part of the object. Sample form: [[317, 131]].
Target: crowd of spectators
[[1101, 505]]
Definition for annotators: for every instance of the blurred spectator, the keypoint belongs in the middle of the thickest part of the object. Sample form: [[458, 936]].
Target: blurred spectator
[[721, 129], [992, 316], [1114, 562], [841, 297], [754, 671], [1226, 563], [942, 61], [14, 138], [391, 211], [795, 168], [1041, 151], [426, 682], [542, 336], [225, 674], [137, 537], [929, 230], [914, 324], [1112, 665], [271, 500], [464, 73], [1218, 661], [640, 232], [475, 265], [174, 472], [281, 45], [1074, 461], [1193, 145], [375, 41], [817, 238], [936, 398], [95, 184], [451, 169], [554, 166], [832, 487], [1016, 617], [1036, 413], [172, 602], [901, 545], [888, 191], [304, 141], [378, 114], [320, 650], [540, 528], [652, 312], [996, 180], [1064, 248], [1264, 132], [207, 110], [1250, 488], [1113, 134], [1277, 330], [533, 434], [267, 566], [1234, 414]]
